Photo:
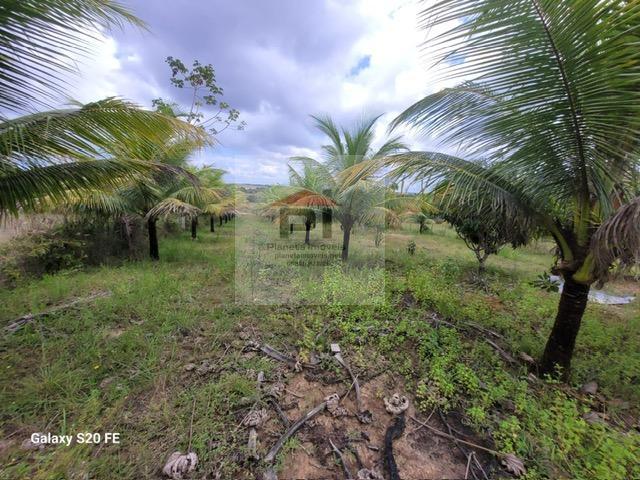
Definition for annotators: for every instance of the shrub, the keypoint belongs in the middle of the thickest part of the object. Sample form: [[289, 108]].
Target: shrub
[[64, 247]]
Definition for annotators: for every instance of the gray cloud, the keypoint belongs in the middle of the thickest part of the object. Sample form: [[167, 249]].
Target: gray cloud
[[278, 61]]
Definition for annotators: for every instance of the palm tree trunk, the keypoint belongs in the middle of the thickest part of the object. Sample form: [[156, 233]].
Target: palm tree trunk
[[220, 218], [194, 228], [562, 339], [213, 223], [307, 229], [346, 236], [421, 226], [154, 252], [128, 233]]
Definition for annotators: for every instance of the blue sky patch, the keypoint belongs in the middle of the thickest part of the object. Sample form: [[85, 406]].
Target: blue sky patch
[[362, 64]]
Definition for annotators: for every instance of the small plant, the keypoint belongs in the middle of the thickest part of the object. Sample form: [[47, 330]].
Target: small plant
[[411, 247], [544, 282]]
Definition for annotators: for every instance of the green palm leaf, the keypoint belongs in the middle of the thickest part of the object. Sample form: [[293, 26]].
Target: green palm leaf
[[38, 39], [107, 128], [115, 139], [30, 189], [173, 206]]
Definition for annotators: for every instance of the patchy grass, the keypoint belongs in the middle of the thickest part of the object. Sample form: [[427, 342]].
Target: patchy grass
[[118, 364]]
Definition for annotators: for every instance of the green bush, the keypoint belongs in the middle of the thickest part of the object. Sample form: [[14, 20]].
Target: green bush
[[36, 255], [66, 247]]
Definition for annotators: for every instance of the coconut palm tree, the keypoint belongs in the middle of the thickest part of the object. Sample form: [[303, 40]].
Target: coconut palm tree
[[47, 156], [210, 177], [420, 210], [554, 108], [337, 182], [171, 191]]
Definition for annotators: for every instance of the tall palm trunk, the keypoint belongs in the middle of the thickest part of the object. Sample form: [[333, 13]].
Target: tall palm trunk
[[213, 223], [307, 230], [346, 237], [194, 228], [220, 218], [154, 252], [562, 339]]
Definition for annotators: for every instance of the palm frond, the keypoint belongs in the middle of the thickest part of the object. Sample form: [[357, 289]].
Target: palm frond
[[556, 90], [327, 126], [39, 38], [305, 198], [358, 141], [315, 176], [197, 195], [98, 202], [391, 146], [173, 206], [107, 128], [27, 188], [469, 183], [618, 239]]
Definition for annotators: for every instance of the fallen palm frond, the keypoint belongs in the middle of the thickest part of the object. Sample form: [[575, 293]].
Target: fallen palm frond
[[271, 455], [22, 321], [395, 431]]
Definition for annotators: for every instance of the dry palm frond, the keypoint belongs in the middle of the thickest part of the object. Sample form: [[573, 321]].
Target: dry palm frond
[[618, 239], [306, 198]]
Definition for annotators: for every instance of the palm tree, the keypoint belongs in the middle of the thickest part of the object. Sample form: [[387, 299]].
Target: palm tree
[[210, 177], [45, 157], [420, 211], [171, 191], [313, 187], [554, 108], [338, 182]]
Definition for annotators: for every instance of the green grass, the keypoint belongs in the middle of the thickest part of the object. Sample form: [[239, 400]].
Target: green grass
[[118, 364]]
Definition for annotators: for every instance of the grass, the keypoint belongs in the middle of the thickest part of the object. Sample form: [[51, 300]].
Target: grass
[[118, 364]]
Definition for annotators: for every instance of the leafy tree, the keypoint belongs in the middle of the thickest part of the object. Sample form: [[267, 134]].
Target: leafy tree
[[554, 107], [340, 182], [201, 80], [48, 157], [484, 234]]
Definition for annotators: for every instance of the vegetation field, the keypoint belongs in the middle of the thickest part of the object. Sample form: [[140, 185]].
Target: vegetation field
[[162, 356], [374, 271]]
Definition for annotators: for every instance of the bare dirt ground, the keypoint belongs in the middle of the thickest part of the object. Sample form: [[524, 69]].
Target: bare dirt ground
[[418, 453]]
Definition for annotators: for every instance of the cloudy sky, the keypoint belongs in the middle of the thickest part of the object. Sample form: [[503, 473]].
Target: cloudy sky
[[278, 61]]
